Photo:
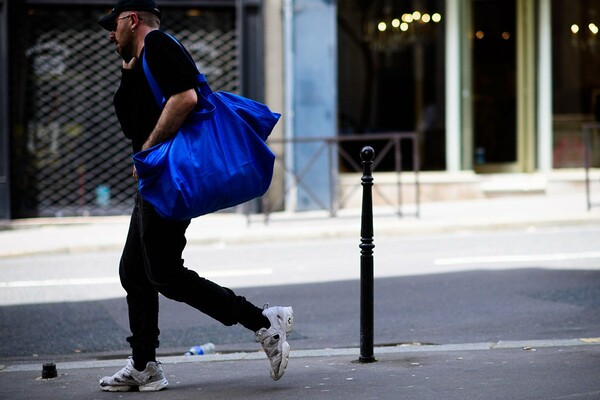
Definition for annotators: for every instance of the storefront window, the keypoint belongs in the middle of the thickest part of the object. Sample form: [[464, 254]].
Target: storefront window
[[391, 74], [576, 77]]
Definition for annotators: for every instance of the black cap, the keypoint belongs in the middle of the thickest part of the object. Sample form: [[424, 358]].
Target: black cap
[[108, 21]]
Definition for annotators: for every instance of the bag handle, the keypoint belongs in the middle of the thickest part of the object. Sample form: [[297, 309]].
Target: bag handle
[[203, 90], [202, 81]]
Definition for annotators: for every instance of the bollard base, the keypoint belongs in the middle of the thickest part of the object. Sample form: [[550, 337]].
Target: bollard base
[[366, 360]]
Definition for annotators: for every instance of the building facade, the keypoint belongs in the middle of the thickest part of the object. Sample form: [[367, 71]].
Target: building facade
[[486, 86], [489, 85], [61, 142]]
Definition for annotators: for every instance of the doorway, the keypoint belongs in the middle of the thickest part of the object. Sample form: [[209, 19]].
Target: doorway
[[494, 63]]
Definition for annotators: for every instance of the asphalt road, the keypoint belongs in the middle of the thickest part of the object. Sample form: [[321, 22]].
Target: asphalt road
[[463, 287]]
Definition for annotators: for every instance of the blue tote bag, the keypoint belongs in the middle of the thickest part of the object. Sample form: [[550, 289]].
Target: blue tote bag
[[217, 159]]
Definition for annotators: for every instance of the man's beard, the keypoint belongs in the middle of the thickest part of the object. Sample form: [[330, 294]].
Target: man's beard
[[125, 50]]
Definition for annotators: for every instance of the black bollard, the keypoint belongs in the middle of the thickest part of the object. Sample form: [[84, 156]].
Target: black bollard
[[366, 259]]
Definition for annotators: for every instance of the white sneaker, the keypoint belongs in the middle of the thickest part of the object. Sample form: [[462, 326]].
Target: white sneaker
[[128, 378], [274, 340]]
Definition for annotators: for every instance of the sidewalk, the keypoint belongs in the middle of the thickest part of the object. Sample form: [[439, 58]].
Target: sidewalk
[[80, 234], [504, 370]]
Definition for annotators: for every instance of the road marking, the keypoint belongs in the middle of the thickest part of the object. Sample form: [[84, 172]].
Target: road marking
[[60, 282], [517, 258], [228, 273], [234, 273]]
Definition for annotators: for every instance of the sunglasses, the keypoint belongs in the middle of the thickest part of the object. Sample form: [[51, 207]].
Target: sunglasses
[[116, 22]]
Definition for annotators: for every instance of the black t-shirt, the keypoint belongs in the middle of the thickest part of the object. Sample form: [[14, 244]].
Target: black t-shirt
[[134, 102]]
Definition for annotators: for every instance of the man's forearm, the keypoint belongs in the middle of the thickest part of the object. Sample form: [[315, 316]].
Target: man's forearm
[[173, 115]]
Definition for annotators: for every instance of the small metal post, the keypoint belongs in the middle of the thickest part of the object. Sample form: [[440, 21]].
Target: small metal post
[[49, 371], [366, 259]]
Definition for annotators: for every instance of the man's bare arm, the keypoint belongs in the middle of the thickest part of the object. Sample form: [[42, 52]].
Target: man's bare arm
[[173, 115], [176, 110]]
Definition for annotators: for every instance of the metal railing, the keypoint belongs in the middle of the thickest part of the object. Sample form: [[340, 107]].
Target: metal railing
[[391, 142], [587, 140]]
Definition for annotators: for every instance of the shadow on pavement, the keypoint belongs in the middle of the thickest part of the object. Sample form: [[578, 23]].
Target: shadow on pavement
[[462, 307]]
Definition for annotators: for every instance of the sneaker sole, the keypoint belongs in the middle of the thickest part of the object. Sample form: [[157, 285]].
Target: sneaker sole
[[149, 387], [154, 386], [117, 388], [285, 355]]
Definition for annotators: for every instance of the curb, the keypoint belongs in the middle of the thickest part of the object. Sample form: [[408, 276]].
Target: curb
[[525, 345]]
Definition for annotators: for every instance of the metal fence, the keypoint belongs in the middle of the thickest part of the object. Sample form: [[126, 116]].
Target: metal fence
[[591, 133], [388, 146], [80, 162]]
